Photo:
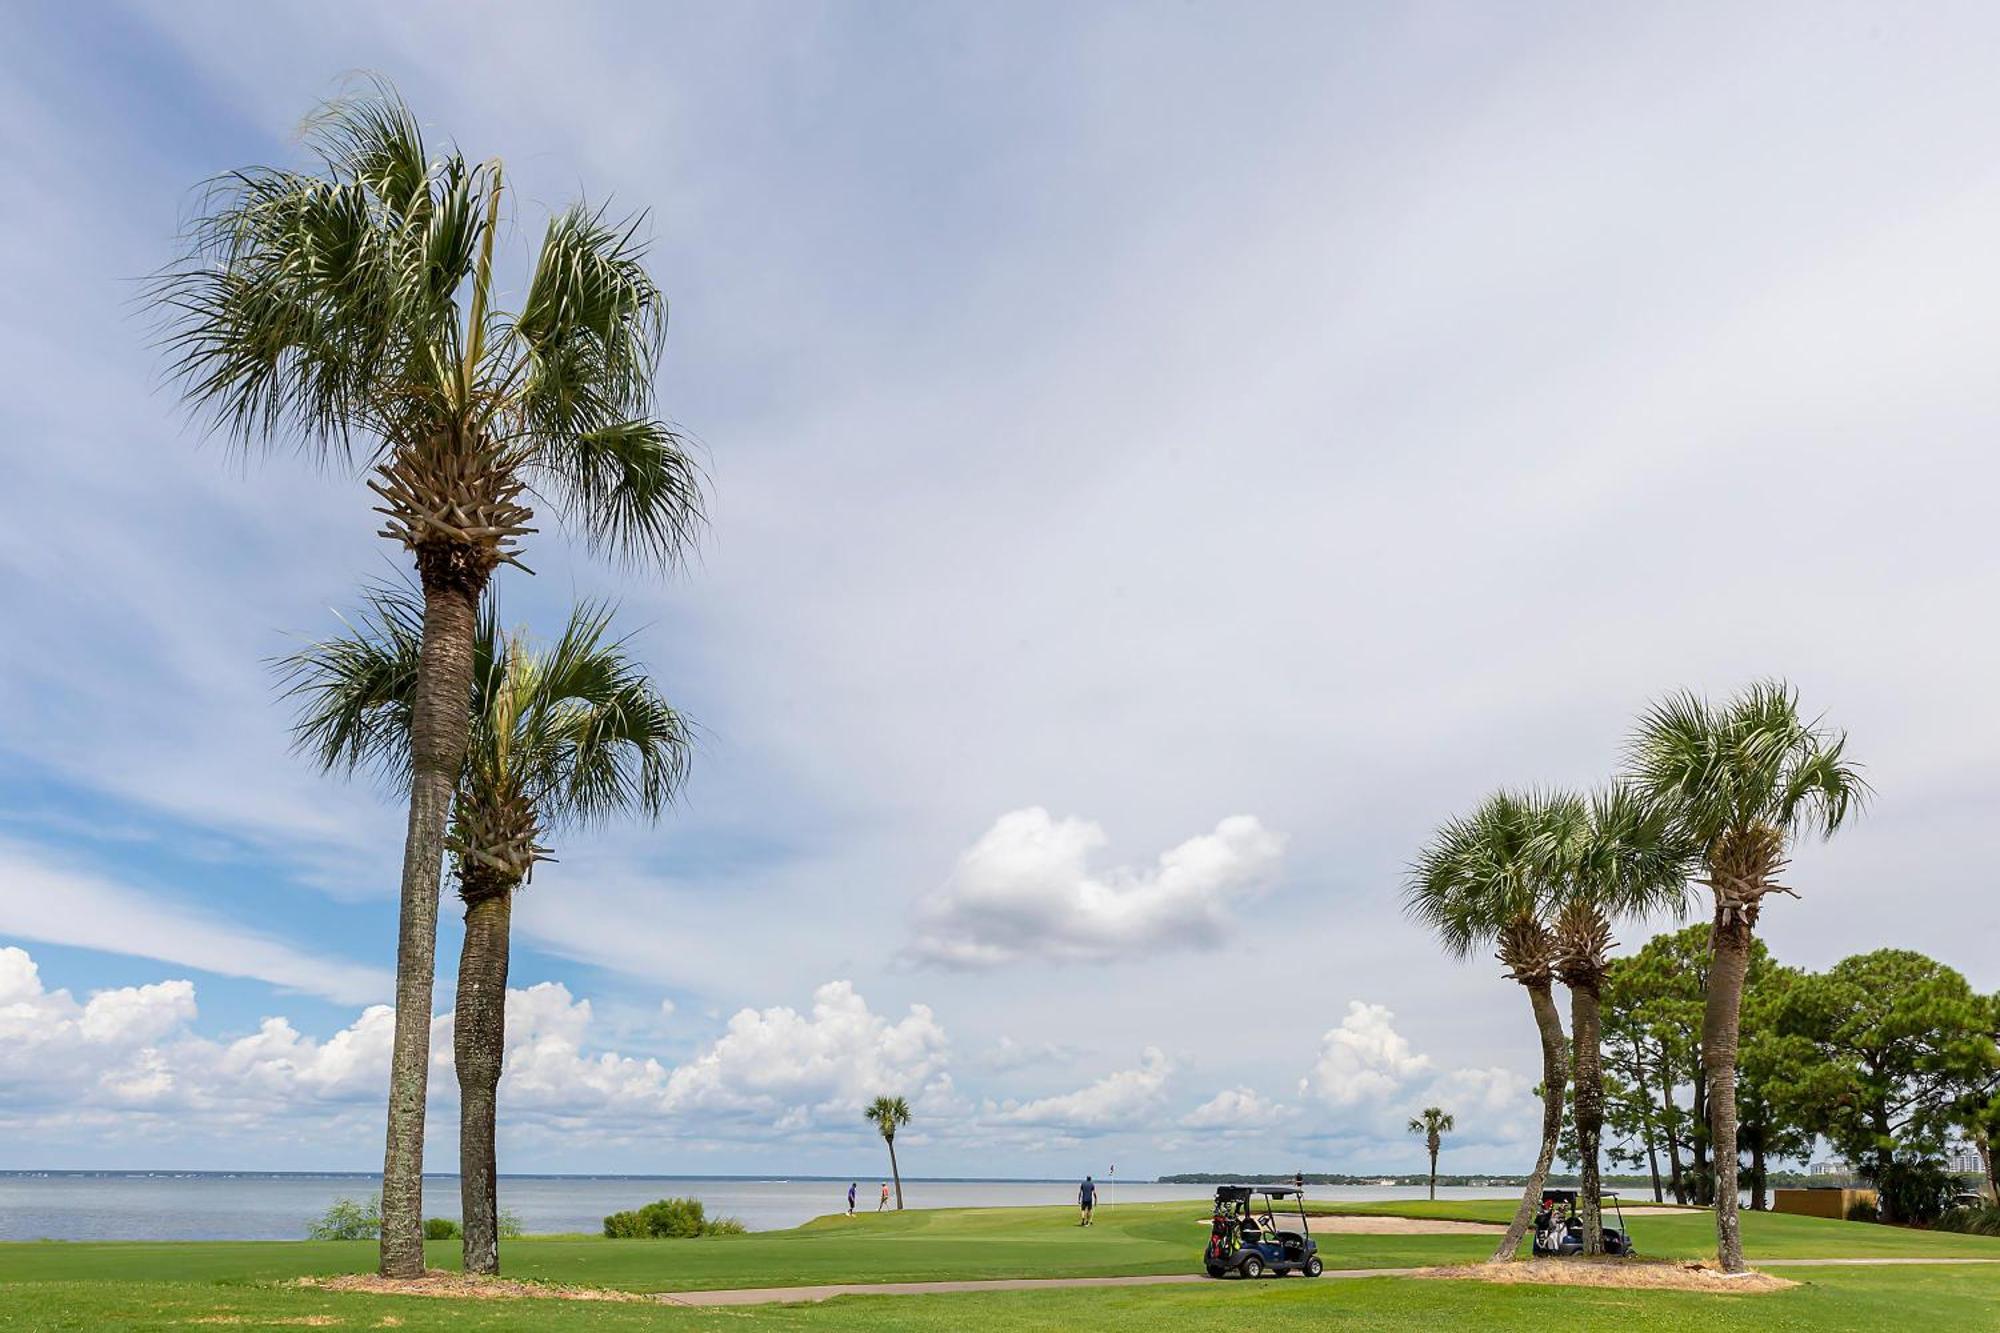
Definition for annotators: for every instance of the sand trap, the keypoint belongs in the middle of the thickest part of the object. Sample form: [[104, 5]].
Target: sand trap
[[461, 1286], [1345, 1225], [1630, 1274]]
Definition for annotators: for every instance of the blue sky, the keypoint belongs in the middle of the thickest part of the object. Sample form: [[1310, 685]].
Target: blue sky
[[1163, 462]]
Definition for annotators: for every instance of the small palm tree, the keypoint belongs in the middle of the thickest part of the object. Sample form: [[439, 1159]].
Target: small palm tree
[[1490, 879], [1433, 1124], [1742, 780], [889, 1114], [560, 737], [347, 311], [1620, 857]]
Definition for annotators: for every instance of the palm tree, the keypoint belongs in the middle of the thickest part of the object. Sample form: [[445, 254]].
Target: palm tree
[[560, 737], [1622, 857], [1489, 879], [1433, 1124], [347, 311], [1743, 780], [889, 1114]]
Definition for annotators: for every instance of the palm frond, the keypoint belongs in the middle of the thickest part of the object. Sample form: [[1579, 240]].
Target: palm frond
[[354, 692]]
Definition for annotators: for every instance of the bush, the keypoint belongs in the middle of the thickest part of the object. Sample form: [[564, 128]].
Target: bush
[[349, 1219], [669, 1219], [1861, 1210], [1981, 1221], [510, 1224], [1915, 1190], [440, 1228]]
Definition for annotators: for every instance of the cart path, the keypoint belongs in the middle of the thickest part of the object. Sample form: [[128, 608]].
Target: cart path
[[776, 1295], [767, 1295]]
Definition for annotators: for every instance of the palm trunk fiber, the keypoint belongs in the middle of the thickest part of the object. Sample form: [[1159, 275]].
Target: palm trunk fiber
[[439, 722], [1718, 1053], [1585, 1008], [479, 1046], [1555, 1077], [895, 1173]]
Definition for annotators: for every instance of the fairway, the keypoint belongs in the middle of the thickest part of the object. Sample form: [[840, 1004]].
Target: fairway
[[174, 1285]]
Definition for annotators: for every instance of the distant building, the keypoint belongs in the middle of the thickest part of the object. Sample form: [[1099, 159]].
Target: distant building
[[1964, 1162], [1831, 1167]]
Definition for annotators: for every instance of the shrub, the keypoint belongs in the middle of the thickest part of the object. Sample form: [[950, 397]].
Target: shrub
[[510, 1224], [1915, 1189], [1862, 1210], [349, 1219], [1981, 1221], [670, 1219], [440, 1228]]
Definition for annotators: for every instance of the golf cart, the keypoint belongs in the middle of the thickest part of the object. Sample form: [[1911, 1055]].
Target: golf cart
[[1559, 1226], [1246, 1238]]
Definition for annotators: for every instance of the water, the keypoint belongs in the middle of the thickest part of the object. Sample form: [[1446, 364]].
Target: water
[[111, 1205]]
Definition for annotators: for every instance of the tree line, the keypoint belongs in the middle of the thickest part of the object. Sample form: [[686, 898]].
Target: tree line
[[1888, 1056]]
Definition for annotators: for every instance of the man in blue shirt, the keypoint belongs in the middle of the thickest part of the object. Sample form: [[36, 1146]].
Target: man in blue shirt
[[1086, 1200], [850, 1197]]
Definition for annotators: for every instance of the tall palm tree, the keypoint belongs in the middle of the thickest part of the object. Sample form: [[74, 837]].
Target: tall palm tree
[[561, 736], [1433, 1124], [1490, 879], [1622, 857], [347, 310], [889, 1114], [1743, 779]]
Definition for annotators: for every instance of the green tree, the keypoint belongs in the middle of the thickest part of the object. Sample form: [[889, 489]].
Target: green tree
[[1743, 779], [1622, 857], [1433, 1124], [1768, 1125], [889, 1114], [562, 736], [346, 310], [1490, 879], [1887, 1048]]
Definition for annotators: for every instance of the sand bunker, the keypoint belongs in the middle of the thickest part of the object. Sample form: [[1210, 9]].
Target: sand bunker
[[1640, 1274], [1344, 1225], [461, 1286]]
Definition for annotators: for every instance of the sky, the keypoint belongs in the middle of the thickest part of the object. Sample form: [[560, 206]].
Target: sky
[[1162, 462]]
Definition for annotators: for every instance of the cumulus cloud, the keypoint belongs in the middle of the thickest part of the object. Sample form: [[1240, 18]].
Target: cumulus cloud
[[1026, 890], [1235, 1110], [1125, 1099], [1363, 1060]]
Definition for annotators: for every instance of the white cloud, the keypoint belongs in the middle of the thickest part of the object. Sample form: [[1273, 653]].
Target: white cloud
[[1364, 1060], [1025, 890], [1126, 1099], [1235, 1110], [1006, 1055], [43, 901]]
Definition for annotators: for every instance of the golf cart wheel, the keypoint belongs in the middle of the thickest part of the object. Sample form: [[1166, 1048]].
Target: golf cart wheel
[[1213, 1271], [1314, 1267], [1251, 1266]]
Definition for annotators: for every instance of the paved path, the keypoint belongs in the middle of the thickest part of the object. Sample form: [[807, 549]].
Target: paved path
[[766, 1295], [775, 1295]]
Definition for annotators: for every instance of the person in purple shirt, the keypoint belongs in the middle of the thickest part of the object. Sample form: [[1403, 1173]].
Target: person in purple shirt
[[850, 1197]]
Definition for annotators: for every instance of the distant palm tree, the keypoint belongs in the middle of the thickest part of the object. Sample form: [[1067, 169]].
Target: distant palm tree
[[1620, 857], [889, 1114], [1491, 878], [1743, 780], [1433, 1124], [347, 311], [560, 736]]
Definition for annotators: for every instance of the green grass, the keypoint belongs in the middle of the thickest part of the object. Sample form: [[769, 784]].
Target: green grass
[[52, 1285]]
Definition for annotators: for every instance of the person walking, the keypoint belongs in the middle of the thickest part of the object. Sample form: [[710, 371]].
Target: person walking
[[885, 1197], [1086, 1201], [851, 1186]]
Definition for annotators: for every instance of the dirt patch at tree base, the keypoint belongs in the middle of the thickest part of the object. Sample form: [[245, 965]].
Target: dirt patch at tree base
[[1630, 1274], [463, 1286]]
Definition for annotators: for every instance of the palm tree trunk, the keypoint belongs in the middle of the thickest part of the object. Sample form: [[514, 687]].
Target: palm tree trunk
[[1589, 1065], [1433, 1145], [1701, 1176], [1984, 1143], [895, 1174], [438, 725], [479, 1048], [1719, 1031], [1555, 1075]]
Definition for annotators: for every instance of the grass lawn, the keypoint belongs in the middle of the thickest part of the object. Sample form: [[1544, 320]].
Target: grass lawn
[[174, 1285]]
